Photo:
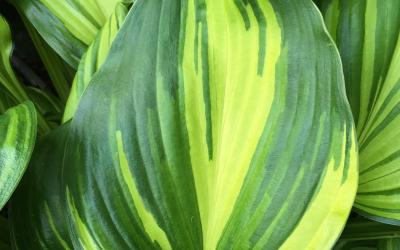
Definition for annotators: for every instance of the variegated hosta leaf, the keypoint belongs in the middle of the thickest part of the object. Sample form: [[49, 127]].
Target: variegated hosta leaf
[[17, 138], [211, 125], [67, 26], [367, 33], [93, 59]]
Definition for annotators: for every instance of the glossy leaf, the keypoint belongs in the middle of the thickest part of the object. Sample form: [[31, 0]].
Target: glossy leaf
[[67, 26], [367, 33], [93, 59], [17, 138], [211, 125]]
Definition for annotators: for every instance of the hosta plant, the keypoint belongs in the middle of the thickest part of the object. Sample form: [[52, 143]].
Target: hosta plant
[[188, 125]]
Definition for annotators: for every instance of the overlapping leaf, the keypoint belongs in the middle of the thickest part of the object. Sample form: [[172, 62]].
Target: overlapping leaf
[[17, 138], [367, 34], [69, 27], [93, 59], [211, 125], [50, 224]]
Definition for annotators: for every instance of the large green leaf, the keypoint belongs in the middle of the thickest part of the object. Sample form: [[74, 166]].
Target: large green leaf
[[93, 59], [367, 34], [17, 138], [67, 26], [211, 125]]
